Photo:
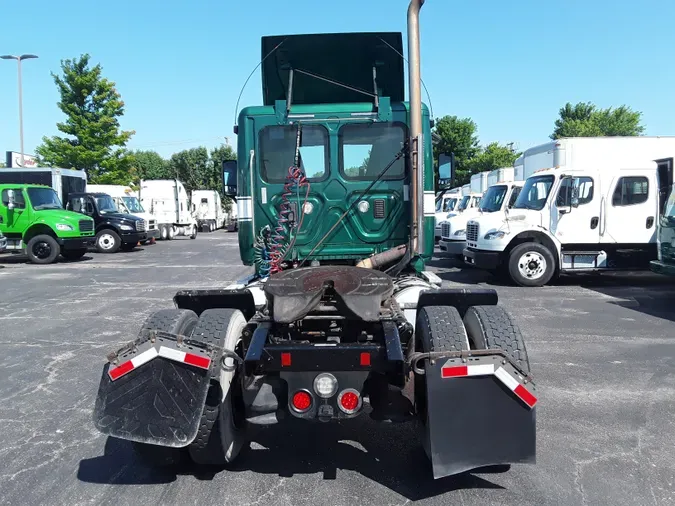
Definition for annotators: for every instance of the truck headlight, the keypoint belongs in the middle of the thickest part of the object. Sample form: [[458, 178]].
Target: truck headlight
[[460, 232], [498, 234], [64, 227], [126, 227]]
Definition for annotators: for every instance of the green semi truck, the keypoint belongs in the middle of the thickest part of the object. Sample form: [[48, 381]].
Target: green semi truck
[[665, 262], [34, 222]]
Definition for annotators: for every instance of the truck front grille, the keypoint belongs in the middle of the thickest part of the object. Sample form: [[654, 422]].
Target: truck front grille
[[378, 208], [445, 229], [153, 225], [472, 232], [140, 225], [86, 225]]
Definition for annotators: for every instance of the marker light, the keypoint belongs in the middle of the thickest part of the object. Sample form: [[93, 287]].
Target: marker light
[[325, 385], [301, 401]]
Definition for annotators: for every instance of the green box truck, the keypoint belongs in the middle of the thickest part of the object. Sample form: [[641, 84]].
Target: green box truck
[[34, 222]]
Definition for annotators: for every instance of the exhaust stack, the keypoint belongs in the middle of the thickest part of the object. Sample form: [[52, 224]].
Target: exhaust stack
[[416, 144]]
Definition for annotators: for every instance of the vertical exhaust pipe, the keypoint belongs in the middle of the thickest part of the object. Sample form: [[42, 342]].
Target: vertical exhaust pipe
[[416, 143]]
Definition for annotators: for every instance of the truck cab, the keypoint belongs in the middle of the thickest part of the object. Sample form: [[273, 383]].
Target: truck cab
[[34, 223], [114, 230], [494, 205], [573, 219], [446, 203]]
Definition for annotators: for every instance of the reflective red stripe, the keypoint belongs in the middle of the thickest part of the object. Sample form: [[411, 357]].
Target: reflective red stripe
[[365, 359], [197, 360], [285, 359], [525, 395], [121, 370], [453, 372]]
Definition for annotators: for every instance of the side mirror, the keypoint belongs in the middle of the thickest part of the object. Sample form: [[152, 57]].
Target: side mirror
[[446, 168], [230, 178], [11, 202]]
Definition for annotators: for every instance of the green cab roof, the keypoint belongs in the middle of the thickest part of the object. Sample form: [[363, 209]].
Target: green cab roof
[[347, 58]]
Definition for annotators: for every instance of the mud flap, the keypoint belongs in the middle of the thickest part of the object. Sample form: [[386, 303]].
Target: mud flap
[[154, 390], [480, 412]]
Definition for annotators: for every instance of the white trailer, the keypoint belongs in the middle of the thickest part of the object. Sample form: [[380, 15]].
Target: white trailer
[[62, 181], [127, 202], [168, 201], [594, 208], [500, 175], [479, 182], [208, 210]]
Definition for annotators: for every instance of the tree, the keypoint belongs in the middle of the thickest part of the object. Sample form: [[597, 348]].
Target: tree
[[219, 155], [491, 157], [92, 107], [456, 135], [192, 167], [586, 120], [150, 165]]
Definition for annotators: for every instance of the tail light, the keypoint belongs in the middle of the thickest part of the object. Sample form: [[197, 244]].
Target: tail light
[[349, 401], [301, 401]]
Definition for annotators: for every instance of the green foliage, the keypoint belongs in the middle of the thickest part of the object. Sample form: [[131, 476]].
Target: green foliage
[[92, 106], [457, 135], [150, 165], [491, 157], [219, 155], [586, 120]]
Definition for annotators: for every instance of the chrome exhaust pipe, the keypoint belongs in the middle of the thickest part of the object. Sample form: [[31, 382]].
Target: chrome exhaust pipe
[[416, 141]]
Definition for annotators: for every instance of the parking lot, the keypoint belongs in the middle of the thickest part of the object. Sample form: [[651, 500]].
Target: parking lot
[[602, 350]]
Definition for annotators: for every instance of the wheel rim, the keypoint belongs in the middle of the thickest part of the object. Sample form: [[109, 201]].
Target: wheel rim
[[106, 241], [532, 265], [42, 250]]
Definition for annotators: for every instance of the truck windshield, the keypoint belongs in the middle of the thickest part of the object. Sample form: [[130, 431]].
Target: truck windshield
[[44, 198], [534, 193], [446, 205], [493, 199], [277, 151], [463, 203], [133, 205], [106, 204], [367, 148]]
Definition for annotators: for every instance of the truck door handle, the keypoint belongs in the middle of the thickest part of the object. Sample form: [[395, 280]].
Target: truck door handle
[[650, 222], [594, 222]]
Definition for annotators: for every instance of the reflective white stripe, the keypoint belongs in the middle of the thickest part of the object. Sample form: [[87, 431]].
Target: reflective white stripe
[[171, 354], [263, 195], [506, 378], [429, 203], [406, 192], [144, 357], [244, 208], [480, 370]]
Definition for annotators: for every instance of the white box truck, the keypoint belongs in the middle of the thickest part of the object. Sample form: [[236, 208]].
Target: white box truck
[[593, 207], [63, 181], [496, 198], [168, 201], [208, 210], [446, 203], [127, 202]]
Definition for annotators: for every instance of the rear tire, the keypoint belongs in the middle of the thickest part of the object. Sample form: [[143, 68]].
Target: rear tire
[[493, 328], [163, 232], [531, 264], [42, 249], [220, 438], [174, 321], [194, 232]]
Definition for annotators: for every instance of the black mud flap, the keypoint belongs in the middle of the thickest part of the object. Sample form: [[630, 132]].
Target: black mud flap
[[480, 412], [154, 390]]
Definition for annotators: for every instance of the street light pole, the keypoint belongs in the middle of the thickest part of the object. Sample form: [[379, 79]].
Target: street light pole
[[18, 61]]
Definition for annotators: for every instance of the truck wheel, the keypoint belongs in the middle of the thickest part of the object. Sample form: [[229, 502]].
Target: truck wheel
[[531, 264], [107, 241], [74, 254], [437, 328], [172, 232], [42, 249], [493, 328], [194, 232], [163, 232], [221, 437], [174, 321]]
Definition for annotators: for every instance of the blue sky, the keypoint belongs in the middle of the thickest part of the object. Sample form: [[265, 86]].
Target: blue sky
[[179, 66]]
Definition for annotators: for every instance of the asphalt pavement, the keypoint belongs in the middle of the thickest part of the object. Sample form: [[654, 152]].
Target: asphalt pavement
[[602, 350]]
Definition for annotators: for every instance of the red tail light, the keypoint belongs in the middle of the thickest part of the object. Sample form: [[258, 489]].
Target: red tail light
[[349, 401], [301, 401]]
